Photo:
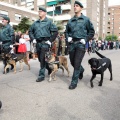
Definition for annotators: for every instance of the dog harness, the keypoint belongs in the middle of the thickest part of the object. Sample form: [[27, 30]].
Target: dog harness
[[101, 65], [55, 62]]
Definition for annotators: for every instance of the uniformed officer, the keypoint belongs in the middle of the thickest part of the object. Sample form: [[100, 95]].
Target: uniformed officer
[[6, 36], [44, 32], [79, 30]]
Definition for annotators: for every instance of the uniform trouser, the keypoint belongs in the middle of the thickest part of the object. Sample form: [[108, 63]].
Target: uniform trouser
[[63, 50], [77, 52], [41, 50]]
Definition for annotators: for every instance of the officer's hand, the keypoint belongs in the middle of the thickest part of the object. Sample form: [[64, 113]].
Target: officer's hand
[[11, 46], [69, 39], [48, 42], [34, 41], [83, 41]]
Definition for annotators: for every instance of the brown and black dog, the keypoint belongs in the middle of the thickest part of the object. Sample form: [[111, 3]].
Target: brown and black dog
[[55, 63], [20, 57]]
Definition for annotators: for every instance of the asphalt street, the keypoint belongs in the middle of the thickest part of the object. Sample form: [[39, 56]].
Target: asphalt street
[[25, 99]]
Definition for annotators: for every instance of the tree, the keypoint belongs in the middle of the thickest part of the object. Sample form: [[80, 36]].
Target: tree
[[24, 25], [111, 37], [59, 25]]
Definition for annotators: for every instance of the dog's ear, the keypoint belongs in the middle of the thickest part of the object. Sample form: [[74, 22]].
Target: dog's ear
[[89, 61]]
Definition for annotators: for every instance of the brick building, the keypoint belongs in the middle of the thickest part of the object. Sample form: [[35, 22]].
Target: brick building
[[114, 21]]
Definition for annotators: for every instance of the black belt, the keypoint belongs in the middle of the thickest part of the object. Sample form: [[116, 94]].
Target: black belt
[[7, 41], [43, 39], [76, 39]]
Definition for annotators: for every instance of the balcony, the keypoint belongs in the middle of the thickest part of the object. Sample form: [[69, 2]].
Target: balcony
[[63, 7], [54, 2], [62, 17]]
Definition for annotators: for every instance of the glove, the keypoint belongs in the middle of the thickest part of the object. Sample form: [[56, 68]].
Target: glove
[[83, 41], [69, 39], [48, 42], [11, 46], [34, 41], [0, 43]]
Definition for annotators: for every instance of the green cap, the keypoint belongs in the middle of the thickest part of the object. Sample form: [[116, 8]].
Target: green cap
[[6, 18], [43, 9], [79, 3]]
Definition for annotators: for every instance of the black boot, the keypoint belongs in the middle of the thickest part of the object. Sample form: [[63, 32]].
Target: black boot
[[72, 86], [81, 75]]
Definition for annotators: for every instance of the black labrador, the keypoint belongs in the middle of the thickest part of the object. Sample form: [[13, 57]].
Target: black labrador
[[98, 66]]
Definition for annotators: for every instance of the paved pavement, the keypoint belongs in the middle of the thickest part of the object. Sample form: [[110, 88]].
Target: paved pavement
[[25, 99]]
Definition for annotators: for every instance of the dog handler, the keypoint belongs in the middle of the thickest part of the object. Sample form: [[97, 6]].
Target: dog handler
[[44, 32], [6, 35], [79, 30]]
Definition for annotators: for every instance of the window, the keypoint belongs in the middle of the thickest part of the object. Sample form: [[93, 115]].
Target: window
[[3, 13], [17, 17]]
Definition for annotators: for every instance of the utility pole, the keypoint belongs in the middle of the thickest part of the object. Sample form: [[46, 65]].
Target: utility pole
[[53, 13]]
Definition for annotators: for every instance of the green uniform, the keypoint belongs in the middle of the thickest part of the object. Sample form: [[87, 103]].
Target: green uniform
[[42, 31], [78, 28], [7, 35]]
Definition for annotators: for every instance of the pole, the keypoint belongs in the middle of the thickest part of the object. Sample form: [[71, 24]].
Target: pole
[[53, 13]]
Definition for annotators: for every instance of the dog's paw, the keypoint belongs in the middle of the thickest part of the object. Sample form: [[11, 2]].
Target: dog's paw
[[92, 86], [99, 84], [49, 80], [14, 72], [20, 70], [111, 79]]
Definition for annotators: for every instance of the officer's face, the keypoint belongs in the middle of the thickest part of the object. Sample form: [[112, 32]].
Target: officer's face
[[4, 22], [77, 8], [42, 14]]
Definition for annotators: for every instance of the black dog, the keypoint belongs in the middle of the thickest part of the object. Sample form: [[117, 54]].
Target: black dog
[[98, 66]]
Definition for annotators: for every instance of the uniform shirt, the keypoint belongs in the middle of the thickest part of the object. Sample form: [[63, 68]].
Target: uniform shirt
[[7, 33], [40, 29], [80, 27]]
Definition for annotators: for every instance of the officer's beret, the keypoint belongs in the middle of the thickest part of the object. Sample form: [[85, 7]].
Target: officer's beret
[[43, 9], [79, 3], [6, 18]]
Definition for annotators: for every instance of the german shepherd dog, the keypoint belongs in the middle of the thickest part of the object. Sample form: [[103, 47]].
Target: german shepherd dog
[[20, 57], [55, 63], [98, 66]]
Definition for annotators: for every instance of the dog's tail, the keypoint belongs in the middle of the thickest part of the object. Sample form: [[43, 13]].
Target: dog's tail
[[99, 54]]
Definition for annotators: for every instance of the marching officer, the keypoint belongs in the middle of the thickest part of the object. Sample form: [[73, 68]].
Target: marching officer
[[79, 30], [44, 32], [6, 37]]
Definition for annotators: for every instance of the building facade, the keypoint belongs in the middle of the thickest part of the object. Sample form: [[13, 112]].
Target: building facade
[[61, 10], [114, 21]]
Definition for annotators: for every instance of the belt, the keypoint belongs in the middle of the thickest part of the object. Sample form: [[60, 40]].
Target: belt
[[7, 41], [43, 39], [76, 39]]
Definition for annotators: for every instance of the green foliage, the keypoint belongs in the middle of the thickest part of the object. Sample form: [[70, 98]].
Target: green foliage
[[111, 37], [24, 25], [59, 25], [100, 38]]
